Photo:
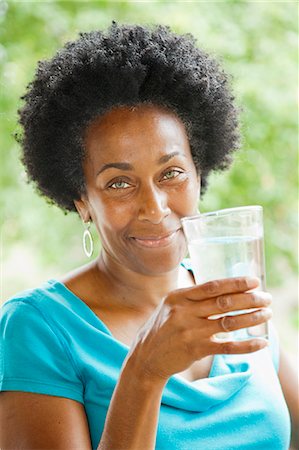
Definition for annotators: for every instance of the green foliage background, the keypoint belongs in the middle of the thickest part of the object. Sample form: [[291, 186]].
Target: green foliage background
[[257, 43]]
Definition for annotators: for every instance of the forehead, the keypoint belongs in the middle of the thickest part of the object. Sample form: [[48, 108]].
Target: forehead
[[126, 133]]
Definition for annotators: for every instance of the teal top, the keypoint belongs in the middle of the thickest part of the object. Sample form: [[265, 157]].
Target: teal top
[[54, 344]]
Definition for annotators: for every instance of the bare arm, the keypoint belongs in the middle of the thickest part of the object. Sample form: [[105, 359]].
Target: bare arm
[[132, 419], [289, 383], [42, 422]]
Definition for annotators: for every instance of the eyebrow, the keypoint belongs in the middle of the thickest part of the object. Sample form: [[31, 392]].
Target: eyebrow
[[116, 165], [126, 166], [166, 158]]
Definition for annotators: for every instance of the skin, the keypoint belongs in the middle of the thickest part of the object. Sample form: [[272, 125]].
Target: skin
[[136, 208], [145, 200]]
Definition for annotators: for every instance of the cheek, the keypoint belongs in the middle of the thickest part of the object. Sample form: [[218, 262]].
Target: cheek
[[193, 191], [110, 217], [185, 200]]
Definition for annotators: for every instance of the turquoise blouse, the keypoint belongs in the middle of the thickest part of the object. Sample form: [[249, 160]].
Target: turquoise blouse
[[52, 343]]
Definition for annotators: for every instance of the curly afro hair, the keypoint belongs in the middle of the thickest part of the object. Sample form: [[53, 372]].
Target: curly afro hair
[[124, 66]]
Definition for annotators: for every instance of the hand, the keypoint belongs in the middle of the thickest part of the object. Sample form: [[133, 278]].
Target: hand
[[180, 331]]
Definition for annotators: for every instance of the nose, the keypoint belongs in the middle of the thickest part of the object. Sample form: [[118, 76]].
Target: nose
[[153, 205]]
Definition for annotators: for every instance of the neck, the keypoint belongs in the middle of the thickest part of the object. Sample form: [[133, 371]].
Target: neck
[[135, 290]]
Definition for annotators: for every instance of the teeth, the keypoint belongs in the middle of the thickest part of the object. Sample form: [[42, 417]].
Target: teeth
[[158, 238], [155, 242]]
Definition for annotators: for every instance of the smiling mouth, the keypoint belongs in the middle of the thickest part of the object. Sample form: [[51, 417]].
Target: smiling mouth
[[156, 241]]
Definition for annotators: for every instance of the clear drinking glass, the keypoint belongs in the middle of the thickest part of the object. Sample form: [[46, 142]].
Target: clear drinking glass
[[224, 244]]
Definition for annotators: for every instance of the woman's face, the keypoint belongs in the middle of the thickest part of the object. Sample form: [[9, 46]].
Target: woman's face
[[140, 180]]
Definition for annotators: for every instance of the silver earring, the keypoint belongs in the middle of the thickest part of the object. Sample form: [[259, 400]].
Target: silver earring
[[87, 240]]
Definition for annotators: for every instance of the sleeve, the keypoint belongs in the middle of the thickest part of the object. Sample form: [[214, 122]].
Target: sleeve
[[274, 344], [33, 358]]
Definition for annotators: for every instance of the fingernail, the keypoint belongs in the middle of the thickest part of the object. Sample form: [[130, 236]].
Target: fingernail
[[264, 341], [268, 312], [252, 282]]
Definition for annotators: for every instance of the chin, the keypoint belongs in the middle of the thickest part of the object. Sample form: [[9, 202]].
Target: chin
[[158, 263]]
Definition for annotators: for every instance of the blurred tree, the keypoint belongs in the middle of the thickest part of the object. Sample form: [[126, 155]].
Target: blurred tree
[[257, 43]]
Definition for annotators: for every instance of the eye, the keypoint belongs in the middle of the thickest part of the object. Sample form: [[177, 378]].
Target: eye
[[169, 174], [119, 184]]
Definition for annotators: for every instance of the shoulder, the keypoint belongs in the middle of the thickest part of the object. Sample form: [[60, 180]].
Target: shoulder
[[27, 312], [48, 298], [42, 311], [35, 301], [29, 300], [35, 356]]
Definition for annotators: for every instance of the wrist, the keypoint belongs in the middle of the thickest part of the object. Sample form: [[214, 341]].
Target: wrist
[[138, 373]]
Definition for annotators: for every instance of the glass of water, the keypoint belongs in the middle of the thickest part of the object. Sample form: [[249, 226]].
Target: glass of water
[[225, 244]]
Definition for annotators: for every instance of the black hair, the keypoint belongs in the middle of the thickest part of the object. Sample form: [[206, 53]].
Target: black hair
[[125, 65]]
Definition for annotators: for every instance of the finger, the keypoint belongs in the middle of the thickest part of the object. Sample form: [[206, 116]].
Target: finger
[[220, 287], [238, 347], [230, 302], [237, 322]]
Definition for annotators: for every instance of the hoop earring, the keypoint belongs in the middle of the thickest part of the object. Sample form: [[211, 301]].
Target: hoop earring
[[87, 240]]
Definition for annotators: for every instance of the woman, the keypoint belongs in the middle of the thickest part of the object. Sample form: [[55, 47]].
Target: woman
[[124, 128]]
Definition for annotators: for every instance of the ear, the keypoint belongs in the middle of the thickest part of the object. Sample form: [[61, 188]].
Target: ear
[[82, 207]]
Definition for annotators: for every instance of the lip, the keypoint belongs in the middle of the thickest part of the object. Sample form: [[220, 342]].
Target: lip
[[156, 241]]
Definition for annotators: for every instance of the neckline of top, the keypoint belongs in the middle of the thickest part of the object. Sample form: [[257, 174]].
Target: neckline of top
[[61, 285], [71, 294]]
